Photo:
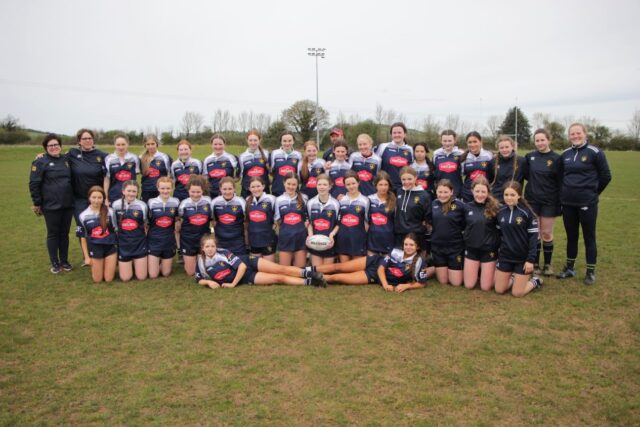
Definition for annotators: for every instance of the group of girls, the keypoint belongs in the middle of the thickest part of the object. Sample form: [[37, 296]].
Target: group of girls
[[367, 203]]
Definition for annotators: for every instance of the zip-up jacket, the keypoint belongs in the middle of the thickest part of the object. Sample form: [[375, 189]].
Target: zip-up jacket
[[87, 170], [585, 174], [503, 170], [480, 232], [50, 183], [541, 170], [413, 207], [519, 232]]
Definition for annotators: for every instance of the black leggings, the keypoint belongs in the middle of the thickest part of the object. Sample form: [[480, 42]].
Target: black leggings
[[585, 216], [58, 223]]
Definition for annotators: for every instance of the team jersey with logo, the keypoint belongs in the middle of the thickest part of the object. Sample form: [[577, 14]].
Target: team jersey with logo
[[120, 170], [291, 216], [132, 218], [251, 164], [425, 176], [353, 218], [447, 227], [162, 223], [50, 183], [282, 164], [87, 170], [519, 234], [337, 171], [221, 268], [260, 216], [217, 167], [473, 167], [195, 218], [394, 157], [541, 170], [91, 229], [180, 171], [447, 166], [159, 165], [480, 231], [323, 217], [229, 228], [367, 168], [398, 269], [315, 169], [585, 174], [380, 237]]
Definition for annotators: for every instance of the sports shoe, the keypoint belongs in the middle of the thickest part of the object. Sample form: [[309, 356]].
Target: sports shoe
[[536, 270], [66, 266], [566, 273], [317, 280], [537, 283], [180, 259], [590, 279], [55, 268], [547, 270]]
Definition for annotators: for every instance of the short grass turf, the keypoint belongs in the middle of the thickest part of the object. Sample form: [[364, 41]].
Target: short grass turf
[[166, 352]]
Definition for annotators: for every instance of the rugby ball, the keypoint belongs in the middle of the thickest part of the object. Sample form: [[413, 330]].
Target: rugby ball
[[319, 242]]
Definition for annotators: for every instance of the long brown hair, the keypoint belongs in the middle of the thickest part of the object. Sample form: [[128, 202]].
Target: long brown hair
[[491, 205], [198, 181], [444, 182], [391, 197], [517, 187], [414, 237], [104, 210], [304, 166], [300, 199], [145, 157], [250, 198], [473, 134], [257, 133]]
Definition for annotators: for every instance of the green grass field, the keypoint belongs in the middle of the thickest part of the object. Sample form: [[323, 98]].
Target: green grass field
[[167, 352]]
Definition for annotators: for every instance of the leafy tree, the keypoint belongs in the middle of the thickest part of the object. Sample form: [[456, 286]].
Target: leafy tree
[[301, 117], [508, 126], [271, 137]]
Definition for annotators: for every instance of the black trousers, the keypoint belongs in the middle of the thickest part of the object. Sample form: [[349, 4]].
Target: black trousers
[[58, 223], [575, 217]]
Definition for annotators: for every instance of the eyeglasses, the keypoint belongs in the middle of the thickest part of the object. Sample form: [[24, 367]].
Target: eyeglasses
[[88, 138], [53, 145]]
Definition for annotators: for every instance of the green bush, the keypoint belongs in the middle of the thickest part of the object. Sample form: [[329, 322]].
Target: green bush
[[14, 137]]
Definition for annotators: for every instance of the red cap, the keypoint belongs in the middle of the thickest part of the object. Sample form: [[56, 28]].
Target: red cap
[[336, 131]]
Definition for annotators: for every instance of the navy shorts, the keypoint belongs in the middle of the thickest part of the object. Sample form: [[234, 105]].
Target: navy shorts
[[123, 258], [189, 246], [453, 259], [164, 253], [101, 251], [236, 248], [371, 268], [510, 267], [251, 261], [292, 243], [547, 211], [268, 250], [480, 255]]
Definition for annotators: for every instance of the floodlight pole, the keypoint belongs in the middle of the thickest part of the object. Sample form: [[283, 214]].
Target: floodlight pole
[[317, 52]]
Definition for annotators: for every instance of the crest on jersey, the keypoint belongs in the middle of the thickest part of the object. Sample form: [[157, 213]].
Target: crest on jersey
[[191, 169], [519, 220], [264, 205], [372, 166], [492, 254], [330, 213], [453, 206], [456, 158], [549, 163], [172, 210], [221, 263], [295, 161], [234, 208], [158, 162], [261, 160], [416, 199], [459, 258], [136, 213], [129, 165], [99, 159], [318, 171], [205, 208], [583, 158], [34, 168], [223, 164], [484, 164], [407, 267]]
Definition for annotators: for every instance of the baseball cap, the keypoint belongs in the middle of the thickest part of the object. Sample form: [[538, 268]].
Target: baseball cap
[[336, 131]]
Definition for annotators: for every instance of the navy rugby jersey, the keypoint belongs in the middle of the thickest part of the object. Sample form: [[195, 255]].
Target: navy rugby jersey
[[541, 170], [473, 167], [120, 170], [180, 171], [447, 166], [323, 217], [282, 164], [251, 164], [217, 167], [398, 269], [195, 217], [91, 229], [260, 216], [132, 218], [394, 157], [381, 236], [519, 232], [367, 168], [162, 221], [291, 216], [229, 218], [425, 176], [337, 172], [159, 165], [315, 168], [221, 268], [353, 216]]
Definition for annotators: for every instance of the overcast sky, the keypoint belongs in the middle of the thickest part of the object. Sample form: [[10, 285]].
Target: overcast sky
[[142, 64]]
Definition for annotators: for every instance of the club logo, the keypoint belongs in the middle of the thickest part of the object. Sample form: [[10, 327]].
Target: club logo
[[448, 167], [350, 220], [379, 219], [292, 218], [257, 216], [518, 220], [153, 173], [222, 274], [321, 224], [198, 219], [227, 219], [129, 224], [164, 222], [398, 161], [549, 163], [217, 173], [365, 175], [286, 169], [255, 171], [123, 175]]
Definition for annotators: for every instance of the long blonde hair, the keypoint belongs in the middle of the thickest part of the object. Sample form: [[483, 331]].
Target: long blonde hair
[[146, 157]]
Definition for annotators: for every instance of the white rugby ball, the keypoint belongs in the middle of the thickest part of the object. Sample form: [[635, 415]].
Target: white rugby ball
[[319, 242]]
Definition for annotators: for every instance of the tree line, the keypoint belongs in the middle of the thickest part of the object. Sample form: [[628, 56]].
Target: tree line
[[302, 119]]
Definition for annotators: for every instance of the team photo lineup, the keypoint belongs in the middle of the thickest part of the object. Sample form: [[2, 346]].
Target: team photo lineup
[[395, 214]]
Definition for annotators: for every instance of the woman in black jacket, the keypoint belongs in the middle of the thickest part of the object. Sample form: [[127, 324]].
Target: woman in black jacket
[[52, 196]]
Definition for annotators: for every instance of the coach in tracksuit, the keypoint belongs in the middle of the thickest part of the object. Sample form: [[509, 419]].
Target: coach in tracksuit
[[52, 196], [585, 174]]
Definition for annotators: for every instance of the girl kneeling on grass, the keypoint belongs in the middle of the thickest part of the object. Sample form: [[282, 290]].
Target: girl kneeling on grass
[[98, 236], [399, 271], [519, 230], [219, 268], [131, 214], [161, 239], [195, 216]]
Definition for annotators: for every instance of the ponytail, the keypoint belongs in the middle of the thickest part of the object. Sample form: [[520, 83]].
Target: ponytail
[[446, 183], [145, 157]]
